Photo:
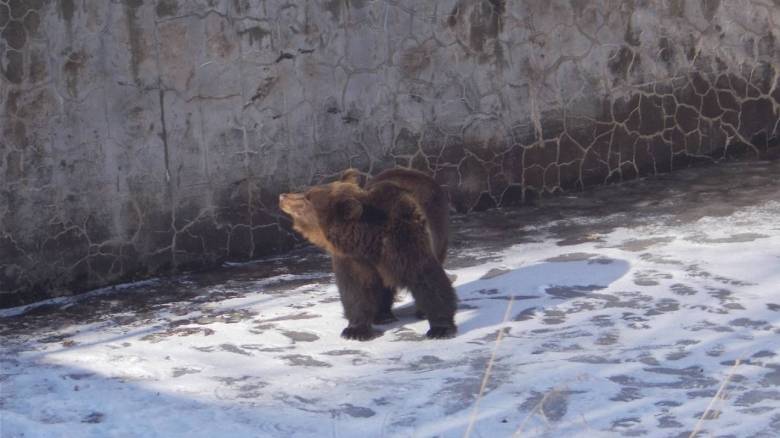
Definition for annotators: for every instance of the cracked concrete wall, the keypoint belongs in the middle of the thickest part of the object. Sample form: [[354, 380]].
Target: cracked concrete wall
[[140, 137]]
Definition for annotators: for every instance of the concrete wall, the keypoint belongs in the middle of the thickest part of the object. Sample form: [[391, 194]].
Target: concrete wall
[[144, 136]]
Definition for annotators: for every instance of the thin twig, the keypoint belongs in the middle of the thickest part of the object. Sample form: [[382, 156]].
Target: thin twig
[[585, 422], [538, 408], [715, 398], [489, 368]]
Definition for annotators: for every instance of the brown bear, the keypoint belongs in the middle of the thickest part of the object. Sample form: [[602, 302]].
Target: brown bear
[[390, 234]]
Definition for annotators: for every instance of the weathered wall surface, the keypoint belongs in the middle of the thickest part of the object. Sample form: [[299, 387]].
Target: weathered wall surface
[[138, 136]]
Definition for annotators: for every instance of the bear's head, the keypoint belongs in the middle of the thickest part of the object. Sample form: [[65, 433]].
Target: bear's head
[[319, 207]]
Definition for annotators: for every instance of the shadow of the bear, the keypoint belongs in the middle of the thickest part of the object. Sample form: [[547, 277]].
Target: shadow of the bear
[[536, 289]]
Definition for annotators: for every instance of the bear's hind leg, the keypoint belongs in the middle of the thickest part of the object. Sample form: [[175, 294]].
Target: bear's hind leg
[[436, 299], [360, 289]]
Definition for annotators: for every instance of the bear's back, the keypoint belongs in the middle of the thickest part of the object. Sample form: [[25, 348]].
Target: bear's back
[[430, 196]]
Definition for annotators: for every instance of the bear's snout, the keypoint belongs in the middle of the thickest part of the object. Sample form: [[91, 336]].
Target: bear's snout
[[292, 203], [284, 202]]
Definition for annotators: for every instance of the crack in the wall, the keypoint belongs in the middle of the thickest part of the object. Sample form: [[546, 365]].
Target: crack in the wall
[[164, 134]]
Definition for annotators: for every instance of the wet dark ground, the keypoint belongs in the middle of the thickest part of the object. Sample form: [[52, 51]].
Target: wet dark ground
[[680, 198], [629, 280]]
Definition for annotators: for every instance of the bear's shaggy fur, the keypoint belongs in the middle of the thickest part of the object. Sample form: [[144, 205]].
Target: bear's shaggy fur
[[390, 234]]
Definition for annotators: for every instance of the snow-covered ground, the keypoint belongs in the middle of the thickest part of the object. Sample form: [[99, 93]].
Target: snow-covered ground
[[650, 308]]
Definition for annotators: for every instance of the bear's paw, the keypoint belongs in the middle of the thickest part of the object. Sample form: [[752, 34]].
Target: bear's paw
[[442, 332], [359, 333]]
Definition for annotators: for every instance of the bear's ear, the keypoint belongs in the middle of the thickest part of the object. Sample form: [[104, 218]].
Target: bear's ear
[[352, 176], [350, 209]]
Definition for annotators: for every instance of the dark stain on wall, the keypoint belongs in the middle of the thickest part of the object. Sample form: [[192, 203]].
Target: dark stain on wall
[[75, 62], [632, 35], [32, 22], [335, 7], [15, 35], [666, 51], [478, 24], [67, 9], [454, 16], [135, 35], [167, 8], [5, 14], [256, 34], [14, 67], [20, 21], [709, 8], [767, 48], [622, 62], [579, 6], [415, 60], [676, 7]]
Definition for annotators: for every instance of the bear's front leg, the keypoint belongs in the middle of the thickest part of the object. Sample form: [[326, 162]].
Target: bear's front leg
[[360, 289]]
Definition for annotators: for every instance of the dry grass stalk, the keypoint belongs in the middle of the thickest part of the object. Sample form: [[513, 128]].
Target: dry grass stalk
[[538, 408], [488, 369], [718, 396]]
